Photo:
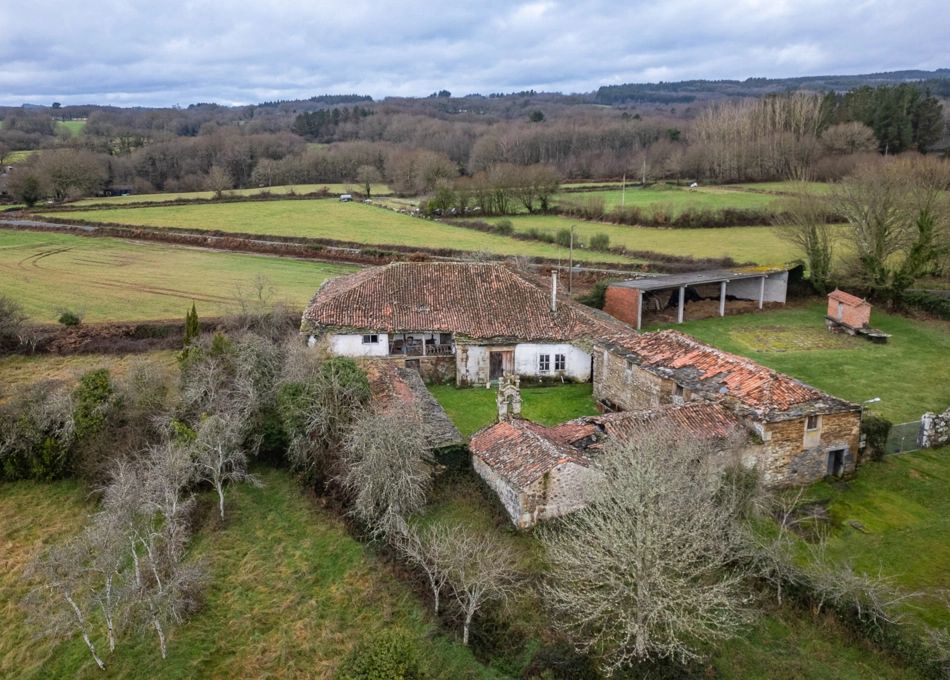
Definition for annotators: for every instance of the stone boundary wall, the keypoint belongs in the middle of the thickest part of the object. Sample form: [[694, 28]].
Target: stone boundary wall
[[935, 429]]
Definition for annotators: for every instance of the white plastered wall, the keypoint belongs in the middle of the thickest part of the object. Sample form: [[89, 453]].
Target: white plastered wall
[[527, 360], [353, 346]]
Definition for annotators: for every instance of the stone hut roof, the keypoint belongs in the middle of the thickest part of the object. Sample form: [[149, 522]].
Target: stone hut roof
[[476, 300], [522, 451], [750, 389], [395, 388]]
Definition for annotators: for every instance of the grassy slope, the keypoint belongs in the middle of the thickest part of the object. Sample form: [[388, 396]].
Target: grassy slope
[[291, 593], [473, 408], [911, 373], [329, 219], [743, 244], [117, 281], [903, 503]]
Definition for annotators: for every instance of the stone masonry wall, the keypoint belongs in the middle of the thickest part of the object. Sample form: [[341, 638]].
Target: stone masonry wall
[[786, 462], [629, 388], [936, 429], [511, 499], [564, 489]]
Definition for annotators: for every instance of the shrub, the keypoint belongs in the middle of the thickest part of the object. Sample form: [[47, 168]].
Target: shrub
[[504, 227], [12, 317], [563, 238], [875, 430], [600, 242], [932, 304], [595, 298], [388, 655], [70, 317]]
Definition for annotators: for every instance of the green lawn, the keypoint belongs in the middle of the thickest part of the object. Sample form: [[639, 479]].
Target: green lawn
[[290, 594], [744, 244], [911, 373], [74, 126], [330, 219], [114, 280], [474, 407]]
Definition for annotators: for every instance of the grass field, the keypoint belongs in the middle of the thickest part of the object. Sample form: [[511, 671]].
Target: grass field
[[291, 593], [473, 408], [18, 156], [114, 280], [744, 244], [903, 504], [911, 373], [74, 126], [18, 371], [301, 189], [331, 219], [673, 200]]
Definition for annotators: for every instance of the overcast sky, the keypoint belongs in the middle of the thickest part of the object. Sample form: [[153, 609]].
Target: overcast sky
[[149, 53]]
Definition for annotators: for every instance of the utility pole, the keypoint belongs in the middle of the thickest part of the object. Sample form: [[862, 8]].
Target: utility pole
[[570, 273]]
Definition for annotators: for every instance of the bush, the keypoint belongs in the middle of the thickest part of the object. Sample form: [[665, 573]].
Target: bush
[[388, 655], [875, 430], [12, 318], [595, 298], [600, 242], [504, 227], [937, 305], [70, 317], [563, 238]]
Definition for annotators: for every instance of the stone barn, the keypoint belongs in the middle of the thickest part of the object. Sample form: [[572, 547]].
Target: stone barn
[[535, 473], [806, 434]]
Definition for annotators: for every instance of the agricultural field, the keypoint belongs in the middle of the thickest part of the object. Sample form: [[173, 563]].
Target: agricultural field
[[300, 189], [673, 200], [17, 371], [910, 373], [115, 280], [74, 126], [760, 245], [334, 220]]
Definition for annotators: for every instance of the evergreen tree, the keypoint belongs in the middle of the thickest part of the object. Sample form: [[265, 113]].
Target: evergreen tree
[[192, 327]]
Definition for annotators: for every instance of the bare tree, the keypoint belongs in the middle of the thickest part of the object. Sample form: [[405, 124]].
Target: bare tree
[[646, 570], [108, 555], [481, 569], [57, 604], [220, 456], [429, 548], [805, 224], [388, 469], [366, 177], [12, 318]]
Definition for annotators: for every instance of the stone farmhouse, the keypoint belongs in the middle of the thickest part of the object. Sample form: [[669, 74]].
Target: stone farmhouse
[[543, 472], [471, 323], [805, 433]]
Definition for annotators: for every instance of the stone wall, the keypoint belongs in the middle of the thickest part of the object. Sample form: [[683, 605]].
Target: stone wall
[[626, 385], [935, 429], [564, 489], [510, 498], [785, 461]]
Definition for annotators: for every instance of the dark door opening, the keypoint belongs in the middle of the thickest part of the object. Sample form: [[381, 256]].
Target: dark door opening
[[836, 462], [413, 364], [500, 363]]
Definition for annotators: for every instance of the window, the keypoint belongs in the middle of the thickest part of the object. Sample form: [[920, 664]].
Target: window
[[544, 363], [678, 393], [370, 339], [560, 362], [813, 423], [445, 338]]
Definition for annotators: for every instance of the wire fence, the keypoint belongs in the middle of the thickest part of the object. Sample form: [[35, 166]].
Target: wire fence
[[904, 437]]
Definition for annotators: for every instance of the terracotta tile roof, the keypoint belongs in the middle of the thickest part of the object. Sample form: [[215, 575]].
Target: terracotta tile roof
[[522, 451], [395, 388], [725, 377], [846, 298], [475, 300]]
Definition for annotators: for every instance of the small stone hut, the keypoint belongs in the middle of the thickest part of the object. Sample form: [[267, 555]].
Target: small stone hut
[[848, 309]]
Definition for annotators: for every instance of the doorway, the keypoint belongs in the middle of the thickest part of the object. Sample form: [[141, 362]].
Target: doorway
[[500, 363], [836, 462]]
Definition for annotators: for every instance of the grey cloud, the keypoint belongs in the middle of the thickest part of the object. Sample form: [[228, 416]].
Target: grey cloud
[[150, 53]]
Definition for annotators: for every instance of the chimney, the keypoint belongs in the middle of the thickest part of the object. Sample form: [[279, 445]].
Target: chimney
[[553, 291]]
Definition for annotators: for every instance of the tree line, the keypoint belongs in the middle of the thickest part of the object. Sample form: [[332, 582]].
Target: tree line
[[412, 143]]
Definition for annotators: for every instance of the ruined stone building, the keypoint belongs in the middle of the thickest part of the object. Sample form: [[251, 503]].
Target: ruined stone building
[[542, 472], [805, 433], [462, 322]]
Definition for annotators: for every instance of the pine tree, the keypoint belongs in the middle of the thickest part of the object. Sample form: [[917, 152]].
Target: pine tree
[[192, 327]]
